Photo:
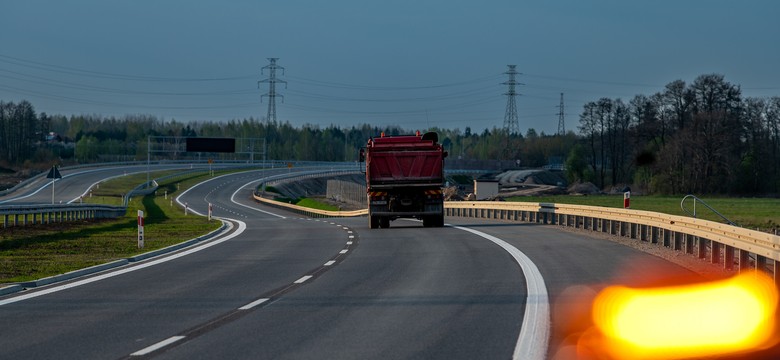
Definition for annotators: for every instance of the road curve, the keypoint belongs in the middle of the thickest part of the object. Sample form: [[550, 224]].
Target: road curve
[[297, 288]]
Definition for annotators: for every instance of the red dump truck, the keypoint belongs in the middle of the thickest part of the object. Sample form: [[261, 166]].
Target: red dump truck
[[404, 179]]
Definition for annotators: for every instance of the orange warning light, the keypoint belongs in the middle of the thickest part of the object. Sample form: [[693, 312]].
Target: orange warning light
[[724, 317]]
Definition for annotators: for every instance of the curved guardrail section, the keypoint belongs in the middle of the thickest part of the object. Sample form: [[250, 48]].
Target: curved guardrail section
[[718, 243], [309, 211]]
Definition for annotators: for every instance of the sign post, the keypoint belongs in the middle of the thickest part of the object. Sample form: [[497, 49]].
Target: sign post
[[54, 174], [140, 229]]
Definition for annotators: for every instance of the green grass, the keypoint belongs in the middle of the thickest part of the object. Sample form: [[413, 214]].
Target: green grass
[[761, 213], [33, 252], [315, 204]]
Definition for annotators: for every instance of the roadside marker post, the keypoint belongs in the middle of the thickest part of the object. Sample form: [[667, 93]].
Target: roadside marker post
[[627, 200], [140, 229]]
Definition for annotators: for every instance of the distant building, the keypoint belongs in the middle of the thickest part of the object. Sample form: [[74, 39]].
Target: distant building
[[485, 188]]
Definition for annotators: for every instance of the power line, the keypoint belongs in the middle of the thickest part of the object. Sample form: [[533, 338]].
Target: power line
[[106, 75]]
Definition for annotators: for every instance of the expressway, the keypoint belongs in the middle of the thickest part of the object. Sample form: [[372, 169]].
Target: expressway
[[279, 286]]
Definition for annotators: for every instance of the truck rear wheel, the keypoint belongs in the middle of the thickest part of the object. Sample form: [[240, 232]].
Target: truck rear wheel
[[373, 221], [384, 222]]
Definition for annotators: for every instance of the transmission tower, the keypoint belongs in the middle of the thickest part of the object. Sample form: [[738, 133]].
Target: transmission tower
[[511, 126], [271, 94], [561, 126]]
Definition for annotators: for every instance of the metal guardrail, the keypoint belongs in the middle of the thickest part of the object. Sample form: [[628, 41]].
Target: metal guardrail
[[718, 243], [16, 215], [727, 245]]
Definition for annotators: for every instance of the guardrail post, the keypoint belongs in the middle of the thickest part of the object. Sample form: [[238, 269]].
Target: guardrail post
[[776, 272], [666, 234], [688, 244], [702, 248], [744, 260], [715, 252], [728, 257]]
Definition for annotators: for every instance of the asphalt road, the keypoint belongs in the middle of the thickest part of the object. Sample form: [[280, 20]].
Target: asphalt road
[[279, 286]]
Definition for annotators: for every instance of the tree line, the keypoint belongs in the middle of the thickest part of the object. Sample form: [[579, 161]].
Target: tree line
[[702, 138]]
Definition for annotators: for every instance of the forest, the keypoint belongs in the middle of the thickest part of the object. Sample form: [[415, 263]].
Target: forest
[[701, 137]]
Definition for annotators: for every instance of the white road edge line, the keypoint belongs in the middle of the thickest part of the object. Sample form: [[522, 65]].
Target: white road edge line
[[253, 304], [303, 279], [241, 228], [158, 346], [233, 199], [535, 331]]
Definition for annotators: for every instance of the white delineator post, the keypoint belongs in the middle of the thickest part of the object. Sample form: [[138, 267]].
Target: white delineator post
[[626, 199], [210, 210], [140, 229]]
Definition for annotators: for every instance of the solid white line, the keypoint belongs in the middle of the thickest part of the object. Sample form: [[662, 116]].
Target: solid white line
[[535, 330], [158, 346], [343, 251], [232, 198], [329, 263], [303, 279], [241, 228], [253, 304]]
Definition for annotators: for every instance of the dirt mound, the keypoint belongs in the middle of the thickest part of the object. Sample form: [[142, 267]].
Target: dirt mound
[[586, 188], [531, 177]]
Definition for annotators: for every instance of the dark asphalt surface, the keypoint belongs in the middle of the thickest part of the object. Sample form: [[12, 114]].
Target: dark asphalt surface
[[397, 293]]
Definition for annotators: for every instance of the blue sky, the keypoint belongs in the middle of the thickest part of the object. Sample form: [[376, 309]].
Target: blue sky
[[415, 64]]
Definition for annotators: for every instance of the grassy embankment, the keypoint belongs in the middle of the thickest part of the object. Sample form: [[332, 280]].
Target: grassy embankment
[[752, 213], [33, 252], [311, 203]]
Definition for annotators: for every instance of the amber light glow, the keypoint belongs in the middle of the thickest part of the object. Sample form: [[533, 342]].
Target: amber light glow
[[678, 322]]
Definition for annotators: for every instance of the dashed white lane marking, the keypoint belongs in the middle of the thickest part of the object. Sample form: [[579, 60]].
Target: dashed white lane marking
[[303, 279], [157, 346], [349, 242], [345, 228], [343, 251], [535, 330], [329, 263], [253, 304], [351, 236]]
